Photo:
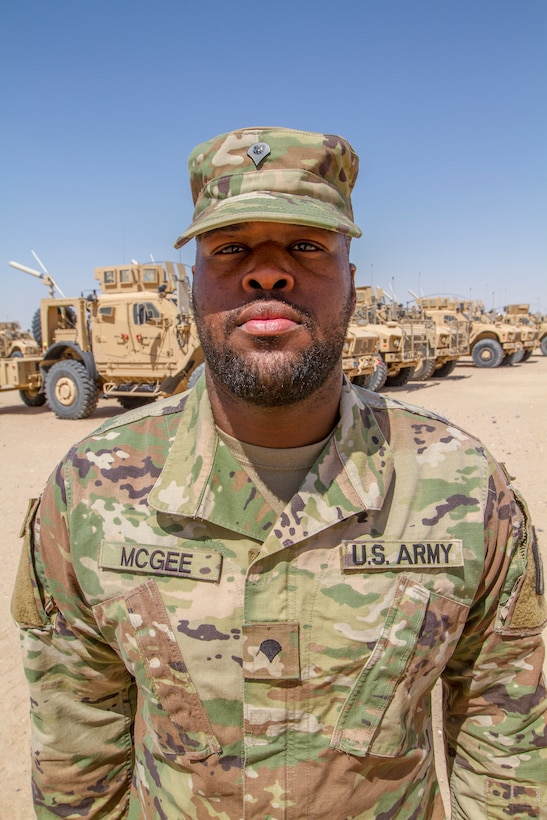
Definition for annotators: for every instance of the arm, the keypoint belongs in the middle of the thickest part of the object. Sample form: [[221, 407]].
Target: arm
[[494, 691], [82, 698]]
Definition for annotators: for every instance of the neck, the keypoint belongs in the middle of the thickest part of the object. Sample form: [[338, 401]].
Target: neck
[[307, 422]]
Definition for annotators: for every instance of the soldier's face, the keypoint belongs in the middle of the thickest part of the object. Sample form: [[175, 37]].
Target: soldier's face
[[272, 303]]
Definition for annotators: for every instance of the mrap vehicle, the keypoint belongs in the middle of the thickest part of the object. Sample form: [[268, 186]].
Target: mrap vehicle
[[135, 340]]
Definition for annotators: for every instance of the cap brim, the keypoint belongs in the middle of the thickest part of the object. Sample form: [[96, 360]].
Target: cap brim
[[264, 206]]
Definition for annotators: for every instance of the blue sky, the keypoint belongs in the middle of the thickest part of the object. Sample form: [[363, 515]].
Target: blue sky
[[444, 100]]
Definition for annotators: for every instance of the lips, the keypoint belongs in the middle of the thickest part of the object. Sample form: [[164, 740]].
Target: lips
[[268, 319]]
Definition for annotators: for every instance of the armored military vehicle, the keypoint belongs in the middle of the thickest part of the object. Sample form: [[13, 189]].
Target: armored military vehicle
[[15, 342], [134, 340], [402, 342], [519, 316], [452, 334], [542, 336], [360, 357], [492, 341]]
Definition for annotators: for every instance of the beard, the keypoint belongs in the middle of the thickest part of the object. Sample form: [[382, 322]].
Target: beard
[[268, 376]]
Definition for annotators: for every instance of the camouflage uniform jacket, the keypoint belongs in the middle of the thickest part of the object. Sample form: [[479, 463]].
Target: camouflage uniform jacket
[[190, 654]]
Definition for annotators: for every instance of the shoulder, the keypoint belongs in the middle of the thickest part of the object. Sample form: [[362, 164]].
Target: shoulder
[[152, 421], [395, 414]]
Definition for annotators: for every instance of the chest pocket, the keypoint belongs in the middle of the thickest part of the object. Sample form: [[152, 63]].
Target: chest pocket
[[173, 710], [384, 711]]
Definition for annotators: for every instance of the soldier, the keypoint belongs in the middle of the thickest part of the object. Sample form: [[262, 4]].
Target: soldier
[[235, 603]]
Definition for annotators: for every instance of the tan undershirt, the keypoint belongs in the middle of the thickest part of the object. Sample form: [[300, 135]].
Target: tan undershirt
[[277, 472]]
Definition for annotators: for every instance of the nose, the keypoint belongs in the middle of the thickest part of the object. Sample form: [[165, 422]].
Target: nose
[[268, 271]]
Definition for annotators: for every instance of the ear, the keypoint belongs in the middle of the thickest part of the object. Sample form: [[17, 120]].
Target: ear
[[352, 270], [193, 270]]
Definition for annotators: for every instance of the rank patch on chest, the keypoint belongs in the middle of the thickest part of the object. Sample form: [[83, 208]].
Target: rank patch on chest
[[367, 556], [271, 650], [198, 564]]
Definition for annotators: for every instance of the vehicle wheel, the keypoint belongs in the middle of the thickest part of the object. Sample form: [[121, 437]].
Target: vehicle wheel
[[424, 370], [487, 353], [130, 401], [445, 369], [36, 327], [71, 393], [519, 356], [401, 378], [543, 345], [527, 355], [377, 379], [510, 358], [32, 398], [195, 374]]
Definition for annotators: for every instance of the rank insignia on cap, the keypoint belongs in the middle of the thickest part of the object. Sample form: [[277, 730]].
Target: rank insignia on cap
[[258, 152]]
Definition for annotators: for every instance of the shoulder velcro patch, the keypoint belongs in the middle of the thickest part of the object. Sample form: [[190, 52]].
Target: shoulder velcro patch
[[527, 610], [26, 606]]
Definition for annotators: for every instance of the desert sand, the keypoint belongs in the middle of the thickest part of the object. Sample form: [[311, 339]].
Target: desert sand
[[506, 407]]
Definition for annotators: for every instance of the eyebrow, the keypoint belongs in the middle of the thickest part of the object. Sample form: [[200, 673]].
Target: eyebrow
[[234, 228]]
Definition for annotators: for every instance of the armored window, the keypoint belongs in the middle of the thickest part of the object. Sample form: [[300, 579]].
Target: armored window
[[150, 275], [126, 276], [144, 312], [110, 277]]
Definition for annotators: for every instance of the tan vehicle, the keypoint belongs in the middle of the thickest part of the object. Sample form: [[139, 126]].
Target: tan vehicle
[[402, 343], [15, 342], [452, 334], [135, 341], [542, 336], [519, 315], [492, 341], [360, 357]]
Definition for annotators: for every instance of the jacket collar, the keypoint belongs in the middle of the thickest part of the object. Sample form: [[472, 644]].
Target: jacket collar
[[201, 478]]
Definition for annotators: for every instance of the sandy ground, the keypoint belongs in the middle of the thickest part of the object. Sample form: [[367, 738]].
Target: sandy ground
[[506, 407]]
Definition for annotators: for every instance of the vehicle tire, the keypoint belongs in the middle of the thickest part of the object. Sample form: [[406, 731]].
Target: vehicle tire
[[445, 369], [487, 353], [376, 380], [36, 327], [71, 393], [401, 378], [424, 370], [543, 345], [527, 355], [519, 356], [32, 398], [130, 401], [510, 358], [195, 374], [36, 324]]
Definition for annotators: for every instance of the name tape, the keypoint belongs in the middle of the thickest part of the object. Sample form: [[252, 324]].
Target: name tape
[[198, 564], [368, 556]]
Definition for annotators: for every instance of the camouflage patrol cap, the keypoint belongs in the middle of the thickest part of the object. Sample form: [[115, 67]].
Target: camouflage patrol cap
[[272, 175]]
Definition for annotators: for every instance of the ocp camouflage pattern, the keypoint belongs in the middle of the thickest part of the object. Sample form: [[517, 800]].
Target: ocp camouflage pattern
[[190, 654], [273, 175]]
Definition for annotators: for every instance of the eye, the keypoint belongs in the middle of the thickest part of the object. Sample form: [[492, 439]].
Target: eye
[[233, 248], [305, 247]]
